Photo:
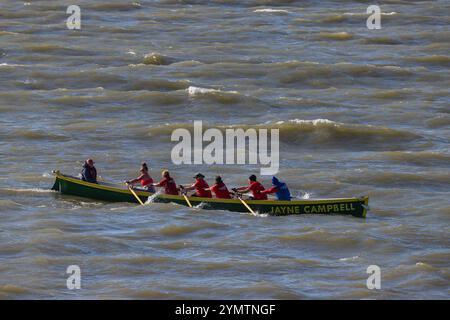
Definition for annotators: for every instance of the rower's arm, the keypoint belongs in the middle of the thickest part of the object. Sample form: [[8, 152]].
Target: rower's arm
[[135, 180], [243, 189], [270, 190], [192, 187]]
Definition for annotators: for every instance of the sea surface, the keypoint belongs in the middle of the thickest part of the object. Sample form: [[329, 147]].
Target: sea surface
[[360, 112]]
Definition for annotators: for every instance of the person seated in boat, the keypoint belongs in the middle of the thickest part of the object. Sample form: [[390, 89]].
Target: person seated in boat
[[220, 190], [255, 187], [168, 183], [89, 172], [200, 185], [144, 179], [280, 189]]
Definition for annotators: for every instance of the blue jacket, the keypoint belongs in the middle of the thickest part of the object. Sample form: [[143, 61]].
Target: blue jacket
[[282, 190], [89, 174]]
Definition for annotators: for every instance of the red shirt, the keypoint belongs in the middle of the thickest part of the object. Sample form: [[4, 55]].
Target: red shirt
[[256, 188], [200, 186], [145, 182], [170, 187], [221, 191]]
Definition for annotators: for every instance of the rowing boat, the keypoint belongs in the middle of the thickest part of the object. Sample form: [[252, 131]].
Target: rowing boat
[[356, 206]]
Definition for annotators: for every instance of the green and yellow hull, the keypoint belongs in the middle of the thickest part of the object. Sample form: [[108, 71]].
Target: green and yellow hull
[[107, 192]]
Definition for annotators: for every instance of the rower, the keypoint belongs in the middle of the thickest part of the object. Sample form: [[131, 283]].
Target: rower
[[89, 172], [220, 189], [255, 187], [201, 187], [145, 179], [168, 183], [280, 189]]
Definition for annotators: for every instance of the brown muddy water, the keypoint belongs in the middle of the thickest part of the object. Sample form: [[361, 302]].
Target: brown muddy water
[[359, 111]]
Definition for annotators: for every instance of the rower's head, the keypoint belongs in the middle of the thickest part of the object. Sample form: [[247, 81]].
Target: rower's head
[[219, 179], [199, 176], [165, 174], [90, 162], [252, 178], [144, 167]]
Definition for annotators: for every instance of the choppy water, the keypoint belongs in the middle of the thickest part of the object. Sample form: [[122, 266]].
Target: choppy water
[[359, 112]]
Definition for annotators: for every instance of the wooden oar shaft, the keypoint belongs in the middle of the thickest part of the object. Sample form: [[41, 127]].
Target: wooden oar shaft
[[187, 200], [246, 205], [135, 195]]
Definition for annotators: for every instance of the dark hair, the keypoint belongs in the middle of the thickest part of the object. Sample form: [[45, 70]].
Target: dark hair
[[219, 179], [144, 166], [252, 178]]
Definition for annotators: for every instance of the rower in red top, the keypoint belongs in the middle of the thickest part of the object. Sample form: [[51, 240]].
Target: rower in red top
[[255, 187], [145, 179], [200, 186], [167, 182], [220, 189]]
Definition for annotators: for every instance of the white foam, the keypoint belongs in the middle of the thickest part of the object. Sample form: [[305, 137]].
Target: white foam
[[32, 190], [349, 259], [270, 10], [193, 91], [198, 90]]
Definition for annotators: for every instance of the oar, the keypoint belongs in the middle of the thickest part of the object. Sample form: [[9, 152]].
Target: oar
[[134, 194], [246, 205], [187, 200]]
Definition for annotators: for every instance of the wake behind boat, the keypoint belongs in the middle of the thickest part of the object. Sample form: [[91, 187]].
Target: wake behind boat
[[356, 206]]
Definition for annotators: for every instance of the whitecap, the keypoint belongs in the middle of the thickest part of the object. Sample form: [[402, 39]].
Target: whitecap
[[270, 10], [349, 259]]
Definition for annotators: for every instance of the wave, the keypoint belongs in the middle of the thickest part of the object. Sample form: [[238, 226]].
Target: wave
[[160, 98], [319, 238], [326, 133], [12, 65], [334, 19], [140, 260], [394, 94], [318, 133], [363, 14], [8, 33], [341, 36], [38, 135], [439, 122], [430, 180], [52, 49], [10, 291], [9, 204], [421, 158], [110, 6], [438, 60], [177, 230], [382, 40], [24, 190], [158, 85], [219, 96], [194, 91], [308, 71], [270, 10]]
